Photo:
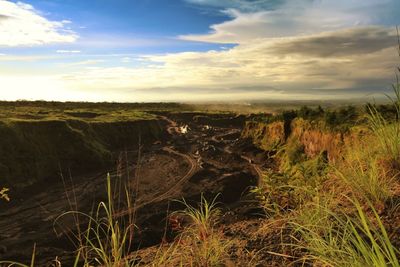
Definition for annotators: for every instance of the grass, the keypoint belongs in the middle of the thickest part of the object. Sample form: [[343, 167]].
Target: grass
[[38, 148], [203, 218], [367, 178], [339, 239], [44, 113], [201, 243], [387, 133], [107, 239], [17, 264]]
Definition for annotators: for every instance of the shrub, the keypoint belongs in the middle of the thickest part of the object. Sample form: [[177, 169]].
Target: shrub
[[294, 151]]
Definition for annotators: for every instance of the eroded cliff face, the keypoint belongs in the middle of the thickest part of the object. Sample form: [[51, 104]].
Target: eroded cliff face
[[267, 136], [314, 137], [37, 151]]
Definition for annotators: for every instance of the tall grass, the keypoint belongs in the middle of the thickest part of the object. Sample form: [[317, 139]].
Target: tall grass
[[107, 239], [203, 218], [201, 243], [364, 175], [388, 133], [340, 240]]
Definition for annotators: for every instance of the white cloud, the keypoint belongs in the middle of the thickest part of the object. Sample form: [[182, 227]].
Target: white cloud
[[68, 51], [254, 70], [126, 60], [22, 25]]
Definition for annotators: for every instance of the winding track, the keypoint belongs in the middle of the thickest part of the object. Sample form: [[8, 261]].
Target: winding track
[[192, 170], [172, 128], [227, 149]]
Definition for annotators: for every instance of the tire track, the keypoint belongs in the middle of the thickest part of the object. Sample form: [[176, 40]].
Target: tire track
[[192, 170]]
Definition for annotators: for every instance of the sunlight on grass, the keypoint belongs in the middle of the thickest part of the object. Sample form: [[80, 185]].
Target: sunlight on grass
[[107, 239], [206, 242], [339, 239], [364, 174]]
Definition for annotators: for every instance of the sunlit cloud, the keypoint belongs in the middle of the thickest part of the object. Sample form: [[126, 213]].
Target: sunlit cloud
[[22, 25], [267, 67]]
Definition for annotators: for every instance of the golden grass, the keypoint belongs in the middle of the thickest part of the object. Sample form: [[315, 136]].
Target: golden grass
[[107, 239], [333, 238]]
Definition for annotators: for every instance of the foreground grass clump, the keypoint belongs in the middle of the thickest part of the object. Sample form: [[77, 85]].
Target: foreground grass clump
[[107, 239], [208, 244], [366, 177], [333, 238], [200, 243]]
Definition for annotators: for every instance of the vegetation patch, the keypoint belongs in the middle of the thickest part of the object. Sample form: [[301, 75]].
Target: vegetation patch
[[37, 143]]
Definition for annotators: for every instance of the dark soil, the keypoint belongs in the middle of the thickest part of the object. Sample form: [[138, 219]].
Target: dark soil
[[207, 160]]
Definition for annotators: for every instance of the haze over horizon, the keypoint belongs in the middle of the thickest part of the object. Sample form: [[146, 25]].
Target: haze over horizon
[[197, 50]]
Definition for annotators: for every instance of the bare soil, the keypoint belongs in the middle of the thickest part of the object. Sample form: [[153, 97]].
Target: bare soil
[[210, 158]]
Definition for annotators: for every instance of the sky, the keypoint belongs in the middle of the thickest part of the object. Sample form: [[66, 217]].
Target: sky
[[197, 50]]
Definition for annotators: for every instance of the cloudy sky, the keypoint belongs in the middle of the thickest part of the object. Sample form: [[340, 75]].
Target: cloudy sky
[[197, 50]]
